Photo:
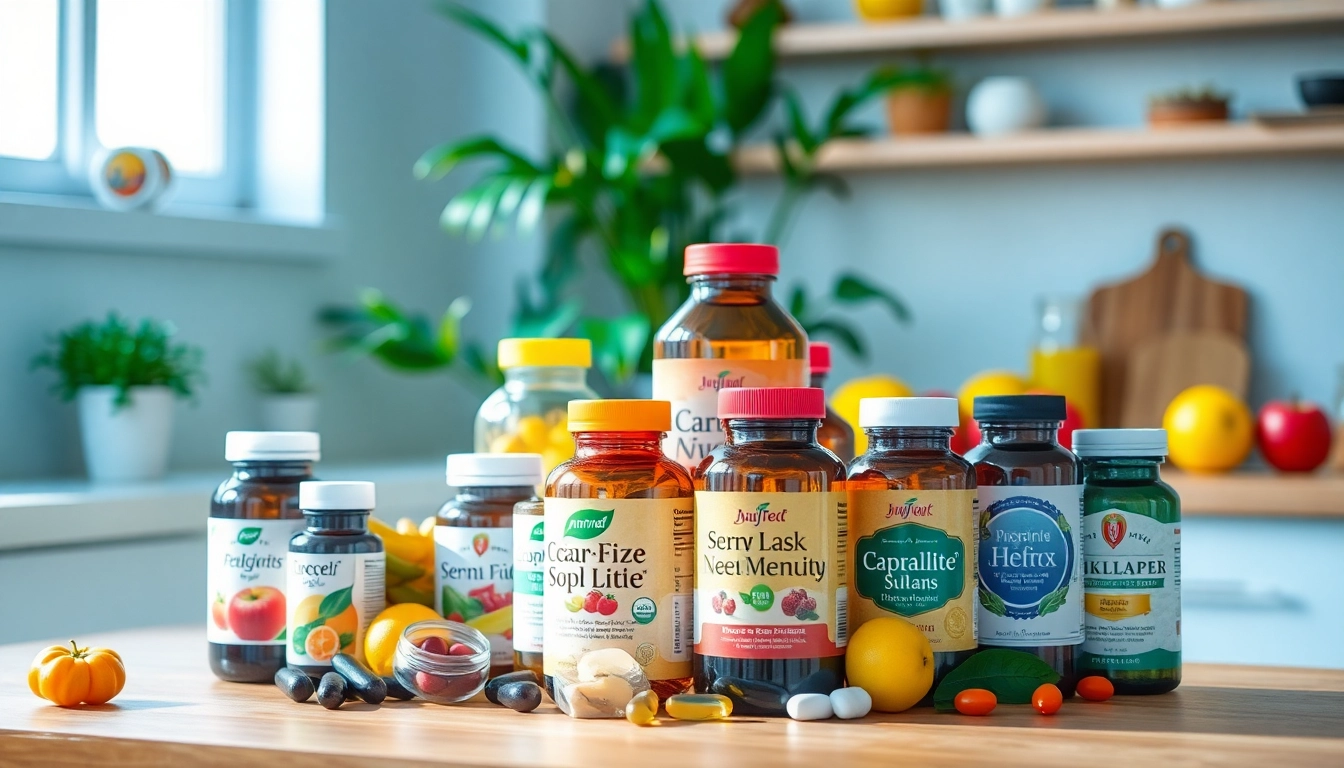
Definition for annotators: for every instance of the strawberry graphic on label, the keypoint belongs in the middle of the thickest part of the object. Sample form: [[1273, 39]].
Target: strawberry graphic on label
[[716, 603], [729, 606], [607, 605], [480, 542], [1113, 529], [591, 600]]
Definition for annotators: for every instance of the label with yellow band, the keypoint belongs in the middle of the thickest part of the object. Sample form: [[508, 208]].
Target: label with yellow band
[[1132, 576]]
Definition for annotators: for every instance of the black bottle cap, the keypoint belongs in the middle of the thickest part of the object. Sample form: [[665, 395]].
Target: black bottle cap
[[1020, 408]]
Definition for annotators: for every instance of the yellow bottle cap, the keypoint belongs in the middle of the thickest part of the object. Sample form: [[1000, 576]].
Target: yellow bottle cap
[[620, 416], [516, 353]]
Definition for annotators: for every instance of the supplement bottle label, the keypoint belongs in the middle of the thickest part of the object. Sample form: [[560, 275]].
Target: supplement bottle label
[[245, 580], [693, 384], [770, 575], [473, 579], [1132, 577], [914, 555], [1031, 590], [529, 554], [618, 575], [332, 599]]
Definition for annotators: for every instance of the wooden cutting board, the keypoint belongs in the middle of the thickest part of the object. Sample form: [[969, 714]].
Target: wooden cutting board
[[1162, 367], [1170, 296]]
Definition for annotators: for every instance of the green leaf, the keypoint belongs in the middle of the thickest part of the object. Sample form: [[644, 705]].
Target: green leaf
[[334, 604], [749, 71], [1053, 601], [345, 639], [992, 602], [798, 303], [839, 331], [439, 161], [538, 532], [301, 637], [618, 343], [852, 289], [450, 325], [1063, 523], [281, 637], [798, 123], [653, 62], [696, 93], [465, 605], [588, 523], [486, 29], [595, 93], [1011, 675]]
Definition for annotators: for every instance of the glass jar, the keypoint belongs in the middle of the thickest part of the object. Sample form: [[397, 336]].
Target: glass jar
[[253, 515], [1061, 364], [731, 332], [1132, 561], [1031, 510], [835, 435], [527, 413], [442, 677]]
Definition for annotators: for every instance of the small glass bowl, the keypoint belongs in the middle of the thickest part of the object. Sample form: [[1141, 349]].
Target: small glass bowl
[[442, 679]]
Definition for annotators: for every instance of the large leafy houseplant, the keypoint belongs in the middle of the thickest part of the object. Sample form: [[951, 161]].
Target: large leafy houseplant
[[640, 166]]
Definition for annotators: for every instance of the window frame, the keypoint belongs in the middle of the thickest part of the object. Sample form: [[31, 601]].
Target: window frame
[[66, 171]]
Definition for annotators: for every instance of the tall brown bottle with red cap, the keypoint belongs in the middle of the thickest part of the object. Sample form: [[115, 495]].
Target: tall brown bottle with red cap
[[730, 333], [836, 434]]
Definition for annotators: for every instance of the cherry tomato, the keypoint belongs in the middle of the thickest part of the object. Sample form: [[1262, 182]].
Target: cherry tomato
[[1095, 688], [1047, 699], [975, 701]]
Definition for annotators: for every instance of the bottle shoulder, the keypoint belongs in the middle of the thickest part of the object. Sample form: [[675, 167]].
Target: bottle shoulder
[[766, 467], [262, 499], [707, 321], [926, 470], [1031, 464], [314, 543], [619, 478]]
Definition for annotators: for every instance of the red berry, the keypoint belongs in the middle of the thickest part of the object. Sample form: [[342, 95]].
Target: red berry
[[789, 604], [809, 604], [590, 602], [607, 605], [430, 683], [717, 604], [434, 644], [729, 606], [460, 649]]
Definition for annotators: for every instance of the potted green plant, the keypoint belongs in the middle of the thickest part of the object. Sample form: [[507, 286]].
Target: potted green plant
[[288, 398], [919, 101], [1183, 106], [124, 377]]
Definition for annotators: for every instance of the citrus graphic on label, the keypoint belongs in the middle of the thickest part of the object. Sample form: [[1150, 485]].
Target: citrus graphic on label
[[1113, 529], [322, 643], [956, 623], [333, 612], [480, 543]]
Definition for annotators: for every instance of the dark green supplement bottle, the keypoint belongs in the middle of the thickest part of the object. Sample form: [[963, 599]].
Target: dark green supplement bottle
[[1131, 561], [336, 575]]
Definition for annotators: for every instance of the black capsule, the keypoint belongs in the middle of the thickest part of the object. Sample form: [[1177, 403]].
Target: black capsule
[[396, 690], [296, 685], [752, 697], [331, 691], [366, 685], [522, 696], [521, 676]]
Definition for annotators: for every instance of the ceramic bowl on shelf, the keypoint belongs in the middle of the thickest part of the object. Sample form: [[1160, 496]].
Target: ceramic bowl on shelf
[[1002, 105], [959, 10], [1011, 8], [1321, 89]]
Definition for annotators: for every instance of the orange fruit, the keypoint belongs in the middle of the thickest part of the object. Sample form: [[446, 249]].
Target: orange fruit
[[322, 644], [347, 623], [1209, 429], [988, 383], [846, 399], [892, 660]]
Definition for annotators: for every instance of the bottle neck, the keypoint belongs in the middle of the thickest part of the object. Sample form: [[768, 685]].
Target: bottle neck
[[272, 470], [631, 444], [818, 380], [553, 376], [508, 493], [882, 439], [792, 431], [1019, 432], [337, 522], [1140, 469], [731, 289]]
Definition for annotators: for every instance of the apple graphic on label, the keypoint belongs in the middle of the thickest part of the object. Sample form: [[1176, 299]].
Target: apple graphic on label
[[219, 612], [257, 613]]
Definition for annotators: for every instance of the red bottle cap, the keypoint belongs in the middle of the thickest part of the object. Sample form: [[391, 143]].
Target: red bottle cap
[[818, 357], [772, 403], [731, 258]]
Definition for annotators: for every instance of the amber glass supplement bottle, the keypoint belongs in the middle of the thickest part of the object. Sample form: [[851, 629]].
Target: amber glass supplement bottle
[[770, 588], [1031, 500], [836, 435], [473, 544], [913, 536], [619, 546], [336, 575], [730, 333], [252, 516], [529, 555], [1131, 561]]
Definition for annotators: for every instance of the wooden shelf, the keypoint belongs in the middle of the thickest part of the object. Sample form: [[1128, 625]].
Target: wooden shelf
[[1062, 145], [1079, 25], [1260, 494]]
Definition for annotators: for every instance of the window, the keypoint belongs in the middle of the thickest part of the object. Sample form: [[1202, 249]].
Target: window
[[77, 76]]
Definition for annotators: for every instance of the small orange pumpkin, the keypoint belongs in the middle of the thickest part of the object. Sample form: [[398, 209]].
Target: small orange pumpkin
[[74, 675]]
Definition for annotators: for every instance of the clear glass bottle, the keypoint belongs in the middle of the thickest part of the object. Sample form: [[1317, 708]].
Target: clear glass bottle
[[1031, 499], [836, 434], [912, 500], [770, 494], [527, 413], [1131, 561], [619, 546], [253, 514], [473, 545], [730, 333], [529, 554], [336, 575], [1061, 364]]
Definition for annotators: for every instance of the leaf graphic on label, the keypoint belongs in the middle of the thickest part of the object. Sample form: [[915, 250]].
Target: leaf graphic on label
[[1053, 601], [1063, 523], [334, 605], [992, 603], [1011, 675], [538, 532], [588, 523], [984, 525], [347, 639], [249, 535], [723, 374], [912, 500], [763, 506], [746, 597]]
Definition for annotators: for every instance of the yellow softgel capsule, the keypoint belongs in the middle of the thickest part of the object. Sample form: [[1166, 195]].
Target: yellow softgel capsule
[[534, 433], [699, 706], [643, 708]]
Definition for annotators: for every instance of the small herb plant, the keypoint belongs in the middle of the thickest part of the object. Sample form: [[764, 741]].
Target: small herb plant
[[922, 78], [272, 374], [1204, 94], [117, 353]]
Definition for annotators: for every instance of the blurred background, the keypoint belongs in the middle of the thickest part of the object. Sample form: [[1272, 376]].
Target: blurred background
[[337, 209]]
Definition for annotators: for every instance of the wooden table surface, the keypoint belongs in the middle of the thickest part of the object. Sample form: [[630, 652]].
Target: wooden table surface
[[173, 712]]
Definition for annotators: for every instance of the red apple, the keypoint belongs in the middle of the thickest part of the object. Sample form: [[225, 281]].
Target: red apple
[[219, 612], [1073, 420], [1293, 436], [960, 442], [257, 613]]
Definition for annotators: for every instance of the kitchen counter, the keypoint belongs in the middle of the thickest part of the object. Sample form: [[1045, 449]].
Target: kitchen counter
[[174, 712]]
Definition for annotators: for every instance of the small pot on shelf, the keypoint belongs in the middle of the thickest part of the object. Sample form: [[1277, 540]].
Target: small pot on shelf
[[960, 10], [1187, 107], [125, 441], [921, 103]]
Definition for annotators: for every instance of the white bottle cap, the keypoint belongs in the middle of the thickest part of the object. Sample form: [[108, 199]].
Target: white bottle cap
[[1120, 443], [272, 446], [908, 412], [335, 495], [469, 470]]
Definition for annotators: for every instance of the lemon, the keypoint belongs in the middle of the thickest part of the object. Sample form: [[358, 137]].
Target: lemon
[[988, 383], [1209, 429], [846, 399], [891, 660], [883, 10], [380, 642]]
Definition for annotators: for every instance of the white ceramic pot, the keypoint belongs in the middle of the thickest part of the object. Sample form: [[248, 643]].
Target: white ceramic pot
[[958, 10], [1008, 8], [289, 413], [127, 443], [1002, 105]]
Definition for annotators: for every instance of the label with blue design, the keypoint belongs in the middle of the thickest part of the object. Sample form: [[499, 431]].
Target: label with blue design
[[1031, 590]]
